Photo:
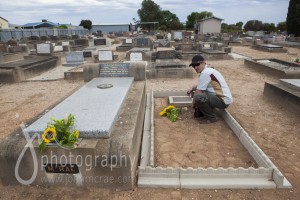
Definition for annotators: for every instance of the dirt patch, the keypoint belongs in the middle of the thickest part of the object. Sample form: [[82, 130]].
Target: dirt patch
[[186, 143]]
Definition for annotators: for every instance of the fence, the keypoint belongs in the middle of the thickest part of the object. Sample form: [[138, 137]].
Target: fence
[[8, 34]]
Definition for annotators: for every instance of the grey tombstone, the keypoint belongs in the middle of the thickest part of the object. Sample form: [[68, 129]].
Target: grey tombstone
[[99, 41], [163, 43], [87, 54], [74, 58]]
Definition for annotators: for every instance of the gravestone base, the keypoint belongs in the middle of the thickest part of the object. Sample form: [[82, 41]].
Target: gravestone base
[[275, 67], [22, 70], [286, 93], [102, 162]]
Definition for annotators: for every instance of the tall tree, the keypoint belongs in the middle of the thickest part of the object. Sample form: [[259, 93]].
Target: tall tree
[[253, 25], [169, 21], [86, 24], [281, 26], [293, 18], [240, 25], [149, 12], [195, 16]]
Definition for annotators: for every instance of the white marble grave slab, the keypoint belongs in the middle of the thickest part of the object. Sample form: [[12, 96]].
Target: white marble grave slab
[[95, 109]]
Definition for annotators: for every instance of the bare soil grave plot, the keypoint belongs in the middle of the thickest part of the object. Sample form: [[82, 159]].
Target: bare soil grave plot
[[186, 143]]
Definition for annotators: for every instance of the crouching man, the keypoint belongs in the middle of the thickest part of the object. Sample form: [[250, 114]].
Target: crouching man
[[210, 92]]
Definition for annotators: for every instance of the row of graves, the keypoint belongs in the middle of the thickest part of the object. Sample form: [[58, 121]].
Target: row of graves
[[115, 118]]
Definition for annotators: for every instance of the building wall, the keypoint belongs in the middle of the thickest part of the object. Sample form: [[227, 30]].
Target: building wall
[[111, 28], [3, 23], [210, 26]]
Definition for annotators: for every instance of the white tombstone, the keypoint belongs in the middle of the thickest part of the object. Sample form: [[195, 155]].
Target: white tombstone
[[177, 35], [66, 43], [128, 41], [58, 48], [105, 55], [136, 56], [43, 48], [74, 57]]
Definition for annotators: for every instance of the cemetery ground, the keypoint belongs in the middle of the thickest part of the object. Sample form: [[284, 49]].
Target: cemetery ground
[[182, 143]]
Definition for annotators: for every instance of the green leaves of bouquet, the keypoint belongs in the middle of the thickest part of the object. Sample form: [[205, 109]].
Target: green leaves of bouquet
[[171, 112], [60, 131]]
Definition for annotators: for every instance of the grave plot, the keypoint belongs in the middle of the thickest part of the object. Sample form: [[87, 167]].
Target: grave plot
[[269, 48], [275, 67], [286, 93], [204, 146], [24, 69], [209, 50], [263, 174], [167, 65]]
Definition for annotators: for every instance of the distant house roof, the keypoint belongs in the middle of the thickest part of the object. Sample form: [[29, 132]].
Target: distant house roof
[[213, 17], [4, 19], [40, 24]]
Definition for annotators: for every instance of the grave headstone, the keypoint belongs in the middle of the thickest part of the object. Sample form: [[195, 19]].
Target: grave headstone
[[163, 43], [136, 56], [128, 41], [105, 55], [99, 41], [74, 58], [58, 48], [87, 54], [177, 35], [142, 42], [44, 49]]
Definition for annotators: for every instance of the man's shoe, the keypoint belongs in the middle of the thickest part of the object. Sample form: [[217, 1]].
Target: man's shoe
[[206, 120]]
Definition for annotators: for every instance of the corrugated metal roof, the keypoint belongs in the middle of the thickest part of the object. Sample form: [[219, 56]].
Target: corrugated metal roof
[[39, 23]]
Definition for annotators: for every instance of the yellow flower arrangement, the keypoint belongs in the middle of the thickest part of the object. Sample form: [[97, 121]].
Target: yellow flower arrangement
[[60, 131], [49, 135], [165, 110], [171, 112]]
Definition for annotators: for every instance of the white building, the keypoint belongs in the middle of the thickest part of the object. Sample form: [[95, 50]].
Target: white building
[[3, 23], [209, 25]]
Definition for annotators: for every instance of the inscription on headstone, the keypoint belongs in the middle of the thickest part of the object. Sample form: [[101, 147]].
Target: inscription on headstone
[[114, 70], [62, 168], [105, 55]]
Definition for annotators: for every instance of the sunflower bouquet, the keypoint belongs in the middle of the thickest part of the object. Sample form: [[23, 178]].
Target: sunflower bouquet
[[171, 112], [60, 131]]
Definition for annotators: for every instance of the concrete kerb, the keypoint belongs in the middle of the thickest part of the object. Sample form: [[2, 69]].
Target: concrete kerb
[[246, 178]]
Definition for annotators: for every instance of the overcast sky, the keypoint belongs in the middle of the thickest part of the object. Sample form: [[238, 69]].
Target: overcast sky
[[123, 11]]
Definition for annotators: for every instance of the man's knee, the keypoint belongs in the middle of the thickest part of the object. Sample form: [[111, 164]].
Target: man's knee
[[201, 98]]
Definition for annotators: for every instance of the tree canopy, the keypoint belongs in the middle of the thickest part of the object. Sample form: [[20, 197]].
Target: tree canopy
[[149, 12], [196, 16], [86, 24], [293, 18]]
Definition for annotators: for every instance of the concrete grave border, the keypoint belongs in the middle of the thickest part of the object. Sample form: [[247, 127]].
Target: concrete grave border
[[266, 176]]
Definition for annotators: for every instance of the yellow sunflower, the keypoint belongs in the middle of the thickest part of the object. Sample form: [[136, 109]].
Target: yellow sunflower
[[49, 135], [77, 134], [165, 110]]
